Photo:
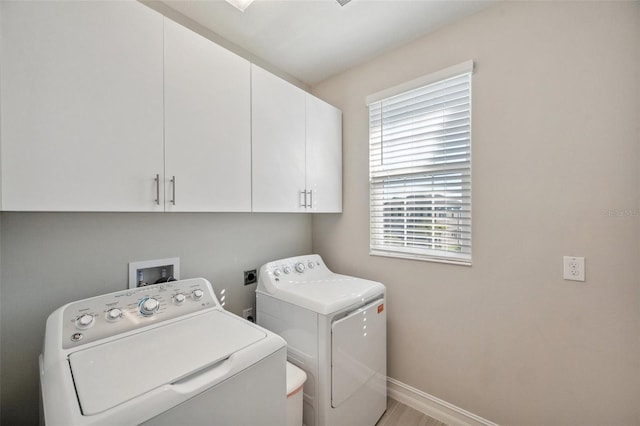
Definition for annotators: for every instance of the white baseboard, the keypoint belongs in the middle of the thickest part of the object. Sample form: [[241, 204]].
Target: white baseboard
[[432, 406]]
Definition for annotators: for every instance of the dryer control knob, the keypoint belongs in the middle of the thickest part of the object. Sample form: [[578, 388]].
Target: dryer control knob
[[197, 294], [114, 314], [287, 270], [85, 321], [276, 272], [300, 267], [311, 265], [179, 298], [148, 306]]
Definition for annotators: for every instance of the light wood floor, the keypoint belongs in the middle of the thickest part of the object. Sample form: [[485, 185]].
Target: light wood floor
[[398, 414]]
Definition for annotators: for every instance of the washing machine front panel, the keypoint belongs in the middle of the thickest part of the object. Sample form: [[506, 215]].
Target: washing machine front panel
[[244, 399], [110, 374], [125, 368]]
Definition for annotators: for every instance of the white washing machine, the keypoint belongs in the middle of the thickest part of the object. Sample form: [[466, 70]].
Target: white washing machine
[[335, 328], [165, 354]]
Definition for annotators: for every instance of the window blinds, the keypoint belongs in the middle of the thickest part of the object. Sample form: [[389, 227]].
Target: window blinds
[[420, 172]]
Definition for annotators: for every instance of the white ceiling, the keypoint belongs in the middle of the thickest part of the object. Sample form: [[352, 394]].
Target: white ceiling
[[312, 40]]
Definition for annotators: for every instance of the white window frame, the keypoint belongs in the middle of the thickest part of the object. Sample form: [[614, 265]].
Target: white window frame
[[398, 225]]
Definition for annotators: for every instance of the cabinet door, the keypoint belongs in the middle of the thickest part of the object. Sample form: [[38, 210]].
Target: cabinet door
[[81, 87], [207, 124], [278, 143], [324, 156]]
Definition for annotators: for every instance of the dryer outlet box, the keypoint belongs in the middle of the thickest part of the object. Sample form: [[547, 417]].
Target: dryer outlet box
[[250, 277]]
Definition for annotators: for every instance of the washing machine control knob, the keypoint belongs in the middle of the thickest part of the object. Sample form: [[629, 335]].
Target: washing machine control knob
[[276, 272], [311, 265], [300, 267], [287, 269], [148, 306], [197, 294], [114, 314], [179, 298], [85, 321]]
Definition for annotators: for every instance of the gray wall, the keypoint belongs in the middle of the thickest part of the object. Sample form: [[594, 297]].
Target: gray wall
[[556, 149], [49, 259]]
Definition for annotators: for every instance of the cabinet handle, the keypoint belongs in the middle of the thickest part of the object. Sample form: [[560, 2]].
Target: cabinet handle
[[303, 198], [157, 179], [173, 194], [310, 198]]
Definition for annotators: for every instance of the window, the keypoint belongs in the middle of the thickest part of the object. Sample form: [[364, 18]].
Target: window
[[420, 168]]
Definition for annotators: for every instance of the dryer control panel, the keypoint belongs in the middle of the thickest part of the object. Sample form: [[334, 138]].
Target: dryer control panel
[[307, 282], [111, 314], [305, 268]]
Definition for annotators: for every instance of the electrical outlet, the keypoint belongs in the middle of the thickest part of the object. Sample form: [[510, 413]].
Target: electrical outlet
[[248, 314], [250, 277], [574, 268]]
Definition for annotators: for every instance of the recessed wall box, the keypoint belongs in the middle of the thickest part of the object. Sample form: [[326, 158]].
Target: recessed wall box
[[153, 271], [250, 277]]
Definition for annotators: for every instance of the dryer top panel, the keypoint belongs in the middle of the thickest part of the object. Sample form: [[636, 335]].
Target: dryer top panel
[[307, 282]]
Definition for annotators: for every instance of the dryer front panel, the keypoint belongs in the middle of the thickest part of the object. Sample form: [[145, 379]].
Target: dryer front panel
[[358, 350]]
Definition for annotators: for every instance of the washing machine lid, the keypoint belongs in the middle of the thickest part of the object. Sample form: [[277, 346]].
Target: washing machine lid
[[331, 294], [115, 372]]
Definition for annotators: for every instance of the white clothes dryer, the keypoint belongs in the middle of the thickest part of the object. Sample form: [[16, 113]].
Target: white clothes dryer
[[164, 354], [335, 328]]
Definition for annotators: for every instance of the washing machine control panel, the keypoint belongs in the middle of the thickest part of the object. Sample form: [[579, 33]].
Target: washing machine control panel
[[111, 314]]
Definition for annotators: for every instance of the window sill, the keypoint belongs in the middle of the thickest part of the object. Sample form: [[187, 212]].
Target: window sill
[[409, 256]]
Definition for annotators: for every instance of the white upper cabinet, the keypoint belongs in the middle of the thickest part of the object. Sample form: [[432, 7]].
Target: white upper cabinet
[[297, 148], [278, 142], [207, 124], [324, 156], [109, 106], [82, 106]]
